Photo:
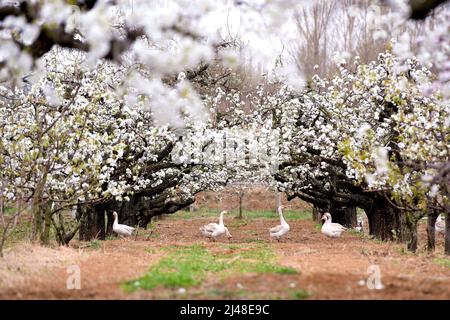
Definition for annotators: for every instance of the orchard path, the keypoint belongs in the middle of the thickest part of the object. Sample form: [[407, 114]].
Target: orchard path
[[328, 269]]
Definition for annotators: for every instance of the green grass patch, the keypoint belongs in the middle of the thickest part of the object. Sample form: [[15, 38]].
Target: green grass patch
[[403, 251], [256, 241], [18, 233], [226, 294], [265, 214], [9, 211], [94, 244], [151, 250], [443, 262], [187, 266], [300, 294], [354, 232]]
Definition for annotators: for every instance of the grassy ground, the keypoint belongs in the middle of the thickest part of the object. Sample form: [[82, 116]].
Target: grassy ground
[[172, 260], [17, 232], [264, 214], [443, 261], [187, 266]]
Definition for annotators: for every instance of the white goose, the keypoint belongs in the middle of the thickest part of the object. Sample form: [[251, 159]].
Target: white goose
[[281, 229], [214, 230], [440, 225], [332, 230], [121, 229], [360, 226]]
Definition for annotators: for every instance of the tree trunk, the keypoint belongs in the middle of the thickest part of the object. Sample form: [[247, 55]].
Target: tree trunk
[[316, 213], [411, 232], [41, 220], [127, 211], [241, 198], [2, 209], [385, 221], [346, 216], [109, 223], [447, 233], [45, 232], [431, 232], [38, 220], [93, 226], [130, 213]]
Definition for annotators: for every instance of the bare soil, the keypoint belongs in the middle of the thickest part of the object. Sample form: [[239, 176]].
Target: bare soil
[[328, 268], [255, 198]]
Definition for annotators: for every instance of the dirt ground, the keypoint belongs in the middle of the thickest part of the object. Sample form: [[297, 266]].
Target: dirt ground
[[254, 198], [327, 268]]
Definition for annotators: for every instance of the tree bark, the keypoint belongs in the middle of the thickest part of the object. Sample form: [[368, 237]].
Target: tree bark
[[37, 219], [411, 232], [447, 233], [241, 198], [431, 232], [127, 211], [138, 211], [316, 213], [63, 236], [93, 226], [346, 216], [109, 223], [45, 233], [385, 221], [41, 220]]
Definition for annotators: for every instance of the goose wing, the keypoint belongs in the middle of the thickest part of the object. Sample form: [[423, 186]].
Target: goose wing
[[332, 231], [218, 232], [210, 227], [205, 232], [126, 227], [281, 232], [276, 229], [123, 230], [338, 226]]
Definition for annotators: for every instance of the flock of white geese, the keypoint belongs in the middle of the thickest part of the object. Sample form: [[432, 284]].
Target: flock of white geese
[[215, 230], [330, 229]]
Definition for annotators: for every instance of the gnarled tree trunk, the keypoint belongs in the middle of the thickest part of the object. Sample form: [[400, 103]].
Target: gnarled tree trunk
[[346, 216], [411, 232], [93, 225], [136, 212], [385, 221], [447, 233], [317, 213], [41, 220], [431, 232]]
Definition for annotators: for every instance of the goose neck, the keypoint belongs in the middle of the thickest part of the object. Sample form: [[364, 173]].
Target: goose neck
[[282, 218]]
